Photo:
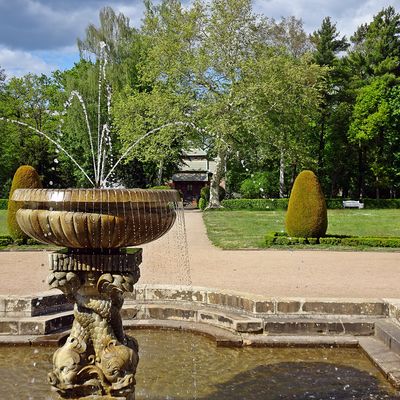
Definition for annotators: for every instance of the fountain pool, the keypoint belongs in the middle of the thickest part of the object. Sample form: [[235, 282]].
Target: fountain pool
[[180, 365]]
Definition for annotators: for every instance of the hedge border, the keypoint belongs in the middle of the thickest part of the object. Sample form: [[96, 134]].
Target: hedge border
[[282, 204], [282, 239]]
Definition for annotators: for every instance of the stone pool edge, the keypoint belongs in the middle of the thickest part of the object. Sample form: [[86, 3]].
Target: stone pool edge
[[230, 318]]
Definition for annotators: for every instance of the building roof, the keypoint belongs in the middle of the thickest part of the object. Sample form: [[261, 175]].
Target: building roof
[[194, 152], [190, 177]]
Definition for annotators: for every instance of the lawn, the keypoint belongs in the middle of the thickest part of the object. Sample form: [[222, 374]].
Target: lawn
[[3, 222], [246, 229]]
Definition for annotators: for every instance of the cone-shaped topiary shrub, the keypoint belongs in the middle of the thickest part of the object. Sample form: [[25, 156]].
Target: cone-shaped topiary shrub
[[25, 177], [306, 215]]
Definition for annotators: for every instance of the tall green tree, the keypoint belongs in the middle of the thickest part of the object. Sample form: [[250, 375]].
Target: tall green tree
[[200, 51], [375, 128], [283, 93], [375, 64], [31, 100], [328, 45]]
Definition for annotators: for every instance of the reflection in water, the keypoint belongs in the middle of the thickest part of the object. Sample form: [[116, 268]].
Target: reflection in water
[[166, 372]]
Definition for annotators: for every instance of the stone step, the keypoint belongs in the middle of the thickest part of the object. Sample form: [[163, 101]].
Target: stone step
[[320, 325], [228, 320], [41, 325], [389, 333], [32, 306], [222, 337], [385, 360], [256, 304], [300, 341]]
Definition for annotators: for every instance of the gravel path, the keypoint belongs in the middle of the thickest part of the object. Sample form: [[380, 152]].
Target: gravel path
[[271, 273]]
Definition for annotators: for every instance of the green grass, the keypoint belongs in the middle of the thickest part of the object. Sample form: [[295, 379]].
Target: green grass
[[3, 222], [246, 229]]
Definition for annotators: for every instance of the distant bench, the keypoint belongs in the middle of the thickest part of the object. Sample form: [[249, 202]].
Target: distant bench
[[352, 204]]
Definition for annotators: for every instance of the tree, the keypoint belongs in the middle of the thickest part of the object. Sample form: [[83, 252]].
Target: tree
[[327, 47], [30, 100], [156, 122], [282, 93], [374, 128], [376, 46], [200, 51], [124, 47], [375, 64], [289, 35]]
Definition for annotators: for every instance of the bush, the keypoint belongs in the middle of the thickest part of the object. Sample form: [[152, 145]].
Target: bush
[[255, 204], [161, 187], [202, 203], [277, 238], [3, 204], [25, 177], [5, 240], [381, 203], [205, 193], [307, 215]]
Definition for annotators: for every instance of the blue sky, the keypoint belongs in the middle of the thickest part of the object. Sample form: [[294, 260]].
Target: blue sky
[[39, 36]]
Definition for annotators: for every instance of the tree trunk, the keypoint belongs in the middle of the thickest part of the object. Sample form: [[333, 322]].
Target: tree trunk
[[282, 175], [321, 147], [216, 178], [360, 172], [160, 173]]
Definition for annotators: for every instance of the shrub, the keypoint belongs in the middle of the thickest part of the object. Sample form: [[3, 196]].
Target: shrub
[[202, 203], [277, 238], [381, 203], [5, 240], [307, 215], [205, 193], [25, 177], [161, 187]]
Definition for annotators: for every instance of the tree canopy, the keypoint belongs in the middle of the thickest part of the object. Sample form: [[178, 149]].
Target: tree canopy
[[263, 97]]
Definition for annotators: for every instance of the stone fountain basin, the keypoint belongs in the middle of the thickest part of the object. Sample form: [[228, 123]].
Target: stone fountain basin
[[96, 218]]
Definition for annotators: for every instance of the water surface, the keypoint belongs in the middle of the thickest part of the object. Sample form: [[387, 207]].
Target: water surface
[[179, 365]]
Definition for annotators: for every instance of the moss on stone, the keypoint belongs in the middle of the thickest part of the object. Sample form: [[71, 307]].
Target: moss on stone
[[306, 215], [25, 177]]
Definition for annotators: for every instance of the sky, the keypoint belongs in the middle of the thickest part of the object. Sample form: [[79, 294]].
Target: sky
[[39, 36]]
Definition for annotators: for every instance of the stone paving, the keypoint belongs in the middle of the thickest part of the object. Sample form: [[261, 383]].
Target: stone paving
[[271, 273]]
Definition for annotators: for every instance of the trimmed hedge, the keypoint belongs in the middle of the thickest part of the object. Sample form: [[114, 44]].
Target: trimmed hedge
[[381, 203], [306, 215], [281, 238], [282, 204], [255, 204], [5, 240], [25, 177]]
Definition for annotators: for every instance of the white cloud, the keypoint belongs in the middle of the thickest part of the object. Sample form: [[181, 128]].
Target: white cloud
[[348, 15], [18, 63]]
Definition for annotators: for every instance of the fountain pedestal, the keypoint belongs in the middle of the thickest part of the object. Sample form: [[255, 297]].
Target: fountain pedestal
[[98, 359]]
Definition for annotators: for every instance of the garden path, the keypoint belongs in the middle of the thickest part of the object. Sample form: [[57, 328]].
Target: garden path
[[272, 273]]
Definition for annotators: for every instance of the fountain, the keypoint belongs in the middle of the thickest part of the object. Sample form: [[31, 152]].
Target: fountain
[[96, 226]]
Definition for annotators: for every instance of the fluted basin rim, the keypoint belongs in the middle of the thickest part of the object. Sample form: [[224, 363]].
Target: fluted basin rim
[[95, 195]]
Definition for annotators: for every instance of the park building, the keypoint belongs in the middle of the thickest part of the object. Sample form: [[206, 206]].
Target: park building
[[194, 173]]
